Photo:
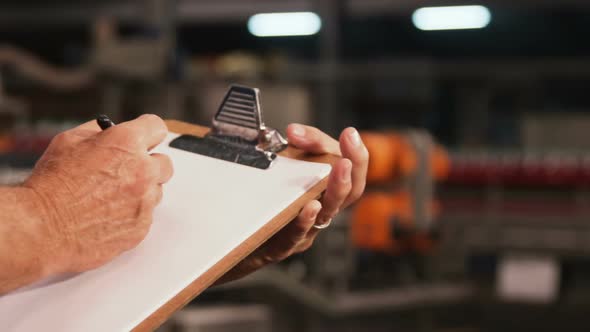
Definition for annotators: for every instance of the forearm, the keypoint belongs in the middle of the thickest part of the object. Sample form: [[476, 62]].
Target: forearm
[[23, 239]]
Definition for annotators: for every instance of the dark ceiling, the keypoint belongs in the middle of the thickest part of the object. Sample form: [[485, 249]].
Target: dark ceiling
[[518, 29]]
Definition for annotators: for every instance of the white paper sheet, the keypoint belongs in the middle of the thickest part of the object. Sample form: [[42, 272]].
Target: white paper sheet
[[209, 207]]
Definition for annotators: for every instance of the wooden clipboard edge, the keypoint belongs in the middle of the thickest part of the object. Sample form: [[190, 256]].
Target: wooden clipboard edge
[[207, 279]]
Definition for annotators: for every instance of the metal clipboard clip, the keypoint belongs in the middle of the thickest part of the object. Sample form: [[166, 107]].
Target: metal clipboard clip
[[238, 132]]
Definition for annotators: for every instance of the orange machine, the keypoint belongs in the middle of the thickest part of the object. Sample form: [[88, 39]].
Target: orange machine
[[385, 222], [394, 156], [399, 216]]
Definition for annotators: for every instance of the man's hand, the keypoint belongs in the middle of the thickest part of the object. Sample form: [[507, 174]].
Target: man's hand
[[345, 185], [96, 191]]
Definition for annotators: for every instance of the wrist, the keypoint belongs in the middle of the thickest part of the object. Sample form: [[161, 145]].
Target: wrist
[[40, 232], [24, 257]]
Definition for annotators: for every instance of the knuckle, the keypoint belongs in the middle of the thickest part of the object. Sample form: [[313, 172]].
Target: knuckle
[[62, 138], [152, 198], [166, 167], [123, 137], [156, 121], [128, 138], [269, 259], [346, 189], [151, 117], [141, 179], [301, 226], [339, 196], [161, 129]]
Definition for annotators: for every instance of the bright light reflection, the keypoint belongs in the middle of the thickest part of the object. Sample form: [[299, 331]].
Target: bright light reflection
[[284, 24], [452, 18]]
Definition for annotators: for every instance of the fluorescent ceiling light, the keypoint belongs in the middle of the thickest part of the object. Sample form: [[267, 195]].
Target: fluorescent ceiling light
[[284, 24], [452, 18]]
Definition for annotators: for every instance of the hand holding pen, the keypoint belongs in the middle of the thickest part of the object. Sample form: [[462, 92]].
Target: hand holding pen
[[98, 190]]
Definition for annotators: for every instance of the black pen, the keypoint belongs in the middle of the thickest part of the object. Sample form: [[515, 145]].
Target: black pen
[[104, 122]]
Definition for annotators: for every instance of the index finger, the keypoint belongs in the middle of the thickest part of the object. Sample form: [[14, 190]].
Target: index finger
[[354, 149], [145, 132], [312, 140]]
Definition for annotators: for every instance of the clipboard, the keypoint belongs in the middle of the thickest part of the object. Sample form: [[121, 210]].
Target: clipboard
[[178, 300], [247, 247]]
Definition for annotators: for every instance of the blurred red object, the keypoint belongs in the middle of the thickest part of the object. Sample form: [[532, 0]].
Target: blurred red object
[[6, 143]]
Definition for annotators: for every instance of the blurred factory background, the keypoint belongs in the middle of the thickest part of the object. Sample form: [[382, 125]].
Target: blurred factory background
[[477, 212]]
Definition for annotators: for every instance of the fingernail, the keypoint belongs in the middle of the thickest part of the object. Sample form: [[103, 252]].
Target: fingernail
[[298, 130], [354, 137], [345, 174]]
